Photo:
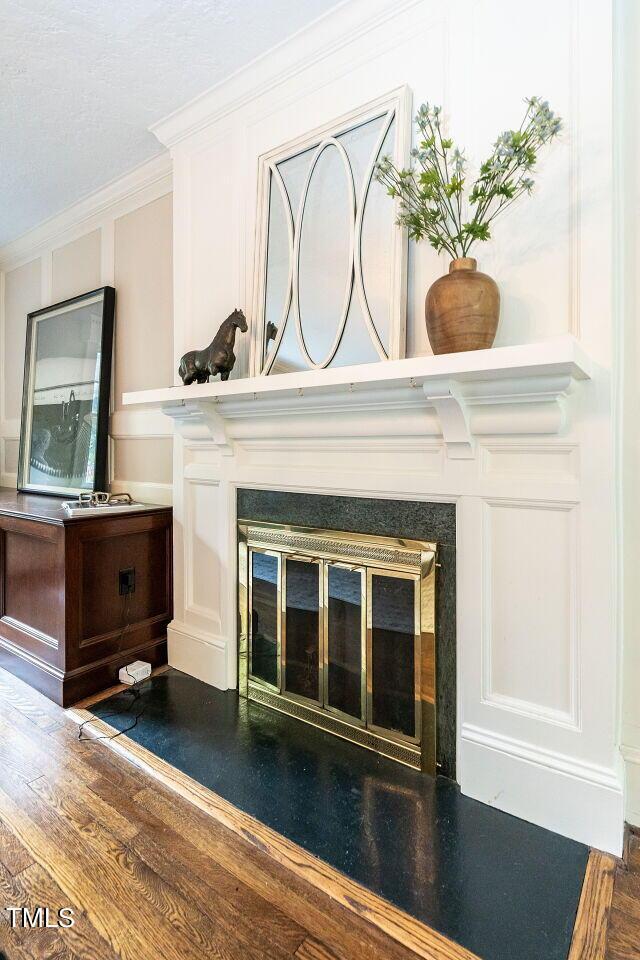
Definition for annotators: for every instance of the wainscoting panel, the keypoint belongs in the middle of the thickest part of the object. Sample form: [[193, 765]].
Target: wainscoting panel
[[202, 560], [529, 624], [548, 462], [536, 635], [403, 456]]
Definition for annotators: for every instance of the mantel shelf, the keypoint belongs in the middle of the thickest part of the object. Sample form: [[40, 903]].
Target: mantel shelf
[[452, 384]]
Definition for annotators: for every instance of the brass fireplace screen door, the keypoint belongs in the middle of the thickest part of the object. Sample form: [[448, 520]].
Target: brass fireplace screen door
[[338, 629]]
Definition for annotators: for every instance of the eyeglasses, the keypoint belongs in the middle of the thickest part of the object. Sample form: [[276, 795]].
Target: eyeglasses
[[100, 498]]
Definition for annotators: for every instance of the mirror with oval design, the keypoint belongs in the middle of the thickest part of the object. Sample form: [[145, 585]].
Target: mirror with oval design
[[331, 261]]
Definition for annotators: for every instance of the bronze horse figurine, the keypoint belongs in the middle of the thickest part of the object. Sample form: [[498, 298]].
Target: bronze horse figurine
[[218, 357]]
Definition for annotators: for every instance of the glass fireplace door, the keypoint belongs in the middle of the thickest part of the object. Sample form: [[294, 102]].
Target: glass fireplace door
[[393, 653], [264, 606], [301, 627], [345, 641], [338, 629]]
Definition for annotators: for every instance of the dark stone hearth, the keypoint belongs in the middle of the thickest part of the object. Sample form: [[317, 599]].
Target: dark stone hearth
[[386, 518], [503, 888]]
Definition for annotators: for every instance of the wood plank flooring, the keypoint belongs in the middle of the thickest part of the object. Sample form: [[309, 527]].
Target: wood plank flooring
[[623, 940], [149, 875]]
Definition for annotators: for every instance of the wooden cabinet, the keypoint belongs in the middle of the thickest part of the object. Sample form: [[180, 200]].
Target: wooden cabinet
[[65, 628]]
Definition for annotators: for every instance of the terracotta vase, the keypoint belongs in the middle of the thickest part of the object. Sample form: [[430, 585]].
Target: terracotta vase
[[462, 309]]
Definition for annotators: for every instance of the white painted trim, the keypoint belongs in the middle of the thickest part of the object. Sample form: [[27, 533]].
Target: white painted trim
[[108, 254], [630, 754], [570, 766], [279, 66], [199, 475], [201, 655], [631, 757], [571, 717], [558, 358], [46, 275], [581, 800], [145, 183]]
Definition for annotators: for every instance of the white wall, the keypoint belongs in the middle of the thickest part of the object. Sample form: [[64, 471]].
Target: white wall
[[627, 263], [538, 616], [121, 236], [540, 573]]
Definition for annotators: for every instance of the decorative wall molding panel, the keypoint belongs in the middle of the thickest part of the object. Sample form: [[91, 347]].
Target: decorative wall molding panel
[[530, 610], [69, 254], [150, 180], [268, 74], [519, 437]]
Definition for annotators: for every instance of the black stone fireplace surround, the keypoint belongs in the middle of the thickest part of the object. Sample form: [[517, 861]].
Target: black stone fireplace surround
[[391, 518]]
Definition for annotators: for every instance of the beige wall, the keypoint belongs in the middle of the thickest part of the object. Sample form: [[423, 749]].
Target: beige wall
[[144, 284], [11, 451], [128, 246], [75, 267], [144, 460], [22, 294]]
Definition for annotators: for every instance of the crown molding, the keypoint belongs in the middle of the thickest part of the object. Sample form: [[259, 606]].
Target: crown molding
[[279, 65], [144, 183]]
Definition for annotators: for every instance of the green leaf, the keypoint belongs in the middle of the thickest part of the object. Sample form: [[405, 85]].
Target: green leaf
[[479, 231]]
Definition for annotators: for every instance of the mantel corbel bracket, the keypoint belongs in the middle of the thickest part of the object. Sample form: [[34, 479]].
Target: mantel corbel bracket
[[451, 407], [199, 420]]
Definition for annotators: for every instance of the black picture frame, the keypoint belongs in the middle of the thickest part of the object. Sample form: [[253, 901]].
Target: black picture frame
[[97, 450]]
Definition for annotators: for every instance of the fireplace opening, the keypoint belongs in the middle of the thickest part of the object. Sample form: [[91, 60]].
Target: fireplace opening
[[338, 630]]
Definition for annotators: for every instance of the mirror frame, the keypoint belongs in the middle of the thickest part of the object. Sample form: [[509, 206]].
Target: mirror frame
[[100, 474], [397, 106]]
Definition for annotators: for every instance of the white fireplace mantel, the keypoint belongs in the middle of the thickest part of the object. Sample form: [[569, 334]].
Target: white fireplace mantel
[[502, 391]]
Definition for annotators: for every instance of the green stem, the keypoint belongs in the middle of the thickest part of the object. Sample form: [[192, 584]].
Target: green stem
[[457, 234]]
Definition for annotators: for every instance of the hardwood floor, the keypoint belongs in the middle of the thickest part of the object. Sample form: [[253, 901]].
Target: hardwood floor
[[149, 875], [623, 940]]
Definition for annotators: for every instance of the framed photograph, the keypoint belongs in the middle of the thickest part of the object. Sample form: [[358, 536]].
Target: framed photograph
[[65, 400]]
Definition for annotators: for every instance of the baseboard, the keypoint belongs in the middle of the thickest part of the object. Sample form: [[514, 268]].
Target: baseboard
[[201, 655], [67, 688], [43, 676], [631, 784], [577, 801]]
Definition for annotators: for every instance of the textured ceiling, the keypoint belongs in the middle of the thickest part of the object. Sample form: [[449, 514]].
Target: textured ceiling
[[81, 81]]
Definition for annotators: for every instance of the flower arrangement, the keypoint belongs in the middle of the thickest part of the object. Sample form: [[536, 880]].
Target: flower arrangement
[[432, 198]]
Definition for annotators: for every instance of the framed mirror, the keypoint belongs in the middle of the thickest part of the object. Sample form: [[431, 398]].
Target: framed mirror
[[331, 262], [65, 400]]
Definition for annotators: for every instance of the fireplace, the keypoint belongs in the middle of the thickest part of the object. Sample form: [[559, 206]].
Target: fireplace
[[338, 630]]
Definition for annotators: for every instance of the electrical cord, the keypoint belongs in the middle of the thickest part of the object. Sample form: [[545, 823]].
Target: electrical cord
[[133, 689]]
